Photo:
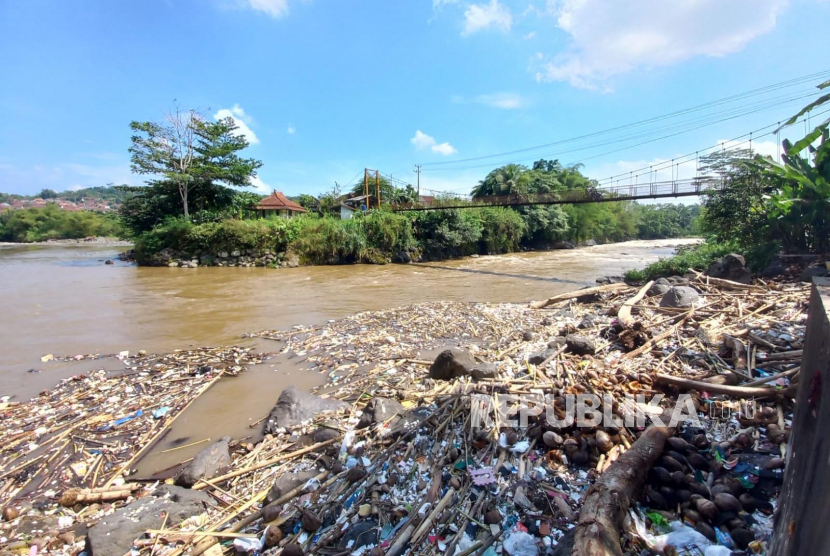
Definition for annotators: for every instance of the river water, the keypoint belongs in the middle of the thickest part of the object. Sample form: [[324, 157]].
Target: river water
[[63, 300]]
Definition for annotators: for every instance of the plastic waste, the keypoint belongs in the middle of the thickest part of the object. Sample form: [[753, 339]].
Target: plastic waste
[[521, 544]]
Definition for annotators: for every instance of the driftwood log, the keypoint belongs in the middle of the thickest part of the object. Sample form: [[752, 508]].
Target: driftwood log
[[608, 288], [607, 501], [734, 391], [624, 314]]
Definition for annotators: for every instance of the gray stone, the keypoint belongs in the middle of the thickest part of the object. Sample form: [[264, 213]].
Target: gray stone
[[603, 280], [324, 434], [579, 345], [287, 482], [563, 245], [679, 296], [172, 264], [731, 267], [677, 281], [452, 363], [379, 410], [295, 406], [206, 464], [402, 257], [588, 243], [223, 254], [235, 253], [485, 371], [114, 534], [292, 260], [812, 271], [773, 270], [557, 342], [538, 357], [660, 287]]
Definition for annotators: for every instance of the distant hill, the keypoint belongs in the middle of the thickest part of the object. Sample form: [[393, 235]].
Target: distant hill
[[105, 193]]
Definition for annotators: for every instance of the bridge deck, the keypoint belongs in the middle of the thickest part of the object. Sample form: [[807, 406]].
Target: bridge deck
[[656, 190]]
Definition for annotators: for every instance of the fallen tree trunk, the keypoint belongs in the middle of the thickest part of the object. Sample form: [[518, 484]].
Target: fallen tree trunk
[[624, 314], [607, 501], [616, 287], [734, 391]]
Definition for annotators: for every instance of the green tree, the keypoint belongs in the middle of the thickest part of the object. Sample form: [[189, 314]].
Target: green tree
[[507, 180], [188, 152], [800, 212], [48, 194]]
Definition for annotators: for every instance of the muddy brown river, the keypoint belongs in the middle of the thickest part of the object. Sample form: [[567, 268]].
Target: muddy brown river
[[63, 300]]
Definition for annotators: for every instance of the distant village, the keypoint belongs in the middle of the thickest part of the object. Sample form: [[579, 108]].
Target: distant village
[[99, 205]]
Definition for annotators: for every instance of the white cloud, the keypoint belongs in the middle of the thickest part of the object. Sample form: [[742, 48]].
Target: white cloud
[[423, 141], [291, 130], [241, 119], [503, 100], [609, 37], [529, 36], [507, 101], [478, 17], [260, 186], [274, 8], [444, 148]]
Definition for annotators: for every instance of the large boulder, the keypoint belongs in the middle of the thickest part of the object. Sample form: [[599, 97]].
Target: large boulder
[[379, 410], [295, 406], [659, 287], [287, 482], [680, 296], [812, 271], [579, 345], [114, 534], [452, 363], [538, 357], [485, 371], [206, 464], [732, 267]]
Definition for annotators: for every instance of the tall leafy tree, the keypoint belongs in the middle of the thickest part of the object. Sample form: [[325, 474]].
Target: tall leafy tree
[[186, 151]]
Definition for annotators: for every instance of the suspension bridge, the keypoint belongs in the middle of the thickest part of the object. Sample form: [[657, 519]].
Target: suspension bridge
[[605, 194]]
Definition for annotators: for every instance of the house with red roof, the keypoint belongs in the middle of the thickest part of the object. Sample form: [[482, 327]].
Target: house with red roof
[[279, 205]]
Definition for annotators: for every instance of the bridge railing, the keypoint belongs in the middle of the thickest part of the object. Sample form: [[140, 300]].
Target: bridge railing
[[621, 192]]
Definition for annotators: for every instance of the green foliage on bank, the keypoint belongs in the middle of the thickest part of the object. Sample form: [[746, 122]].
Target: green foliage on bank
[[758, 207], [694, 257], [51, 222]]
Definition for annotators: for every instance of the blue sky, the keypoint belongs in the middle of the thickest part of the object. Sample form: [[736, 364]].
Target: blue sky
[[325, 88]]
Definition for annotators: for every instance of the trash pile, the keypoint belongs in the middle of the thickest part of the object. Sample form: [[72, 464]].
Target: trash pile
[[74, 444], [405, 450]]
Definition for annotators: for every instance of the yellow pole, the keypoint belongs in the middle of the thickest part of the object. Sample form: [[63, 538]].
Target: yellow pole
[[377, 185]]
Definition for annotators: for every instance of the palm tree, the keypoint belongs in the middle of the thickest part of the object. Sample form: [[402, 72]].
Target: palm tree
[[507, 180]]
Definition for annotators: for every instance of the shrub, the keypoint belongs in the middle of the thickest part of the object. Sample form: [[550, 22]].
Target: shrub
[[330, 241], [501, 230], [447, 233], [191, 239], [52, 222], [697, 257]]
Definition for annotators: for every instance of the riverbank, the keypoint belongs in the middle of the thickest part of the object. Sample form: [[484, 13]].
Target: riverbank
[[88, 241], [386, 358]]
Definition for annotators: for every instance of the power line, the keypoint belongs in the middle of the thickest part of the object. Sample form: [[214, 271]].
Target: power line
[[712, 119], [732, 98]]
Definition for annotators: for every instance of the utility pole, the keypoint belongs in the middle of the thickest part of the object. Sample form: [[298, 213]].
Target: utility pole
[[418, 171], [377, 185], [366, 187]]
